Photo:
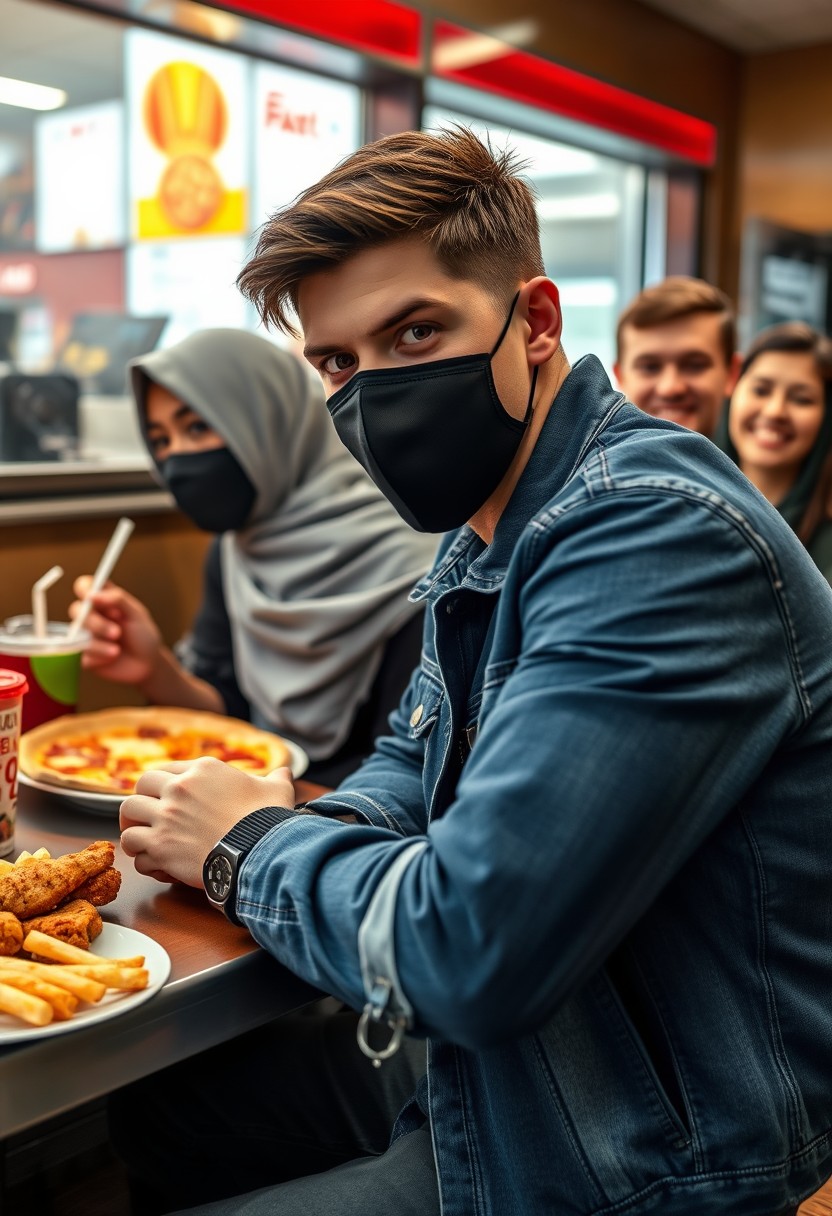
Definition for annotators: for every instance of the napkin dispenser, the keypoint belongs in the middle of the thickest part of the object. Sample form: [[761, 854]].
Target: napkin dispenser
[[38, 417]]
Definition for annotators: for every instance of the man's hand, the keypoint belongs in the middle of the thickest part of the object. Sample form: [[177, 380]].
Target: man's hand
[[180, 810]]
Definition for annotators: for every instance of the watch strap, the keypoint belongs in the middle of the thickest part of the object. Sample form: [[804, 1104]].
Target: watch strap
[[245, 834]]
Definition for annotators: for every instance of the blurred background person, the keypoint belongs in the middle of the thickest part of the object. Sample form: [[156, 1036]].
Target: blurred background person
[[676, 356], [778, 429], [305, 626]]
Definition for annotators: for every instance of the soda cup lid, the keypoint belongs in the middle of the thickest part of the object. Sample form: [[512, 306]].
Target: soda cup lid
[[12, 684]]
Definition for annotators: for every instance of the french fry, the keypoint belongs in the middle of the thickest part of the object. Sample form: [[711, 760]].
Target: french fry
[[98, 960], [52, 948], [62, 1001], [26, 858], [23, 1005], [127, 978], [85, 989], [6, 866]]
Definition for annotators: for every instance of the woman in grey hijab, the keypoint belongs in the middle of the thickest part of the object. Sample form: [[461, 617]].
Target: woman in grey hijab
[[305, 626]]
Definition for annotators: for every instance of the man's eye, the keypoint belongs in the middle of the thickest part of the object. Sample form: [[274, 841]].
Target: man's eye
[[341, 362], [418, 333], [157, 443], [198, 429]]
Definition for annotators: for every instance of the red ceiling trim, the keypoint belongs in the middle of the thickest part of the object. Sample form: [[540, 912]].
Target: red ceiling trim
[[376, 27], [539, 82], [393, 30]]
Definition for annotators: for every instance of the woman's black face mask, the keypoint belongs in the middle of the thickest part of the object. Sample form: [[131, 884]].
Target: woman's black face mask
[[435, 438], [210, 487]]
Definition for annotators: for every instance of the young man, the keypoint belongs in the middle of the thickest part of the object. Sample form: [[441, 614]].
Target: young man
[[590, 864], [676, 356]]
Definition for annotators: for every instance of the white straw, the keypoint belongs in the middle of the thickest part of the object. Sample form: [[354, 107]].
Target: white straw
[[39, 590], [105, 568]]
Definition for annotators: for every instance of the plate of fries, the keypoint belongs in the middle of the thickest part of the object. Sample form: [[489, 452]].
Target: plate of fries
[[75, 988]]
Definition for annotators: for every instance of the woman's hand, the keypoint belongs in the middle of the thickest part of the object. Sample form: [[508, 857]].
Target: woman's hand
[[126, 642]]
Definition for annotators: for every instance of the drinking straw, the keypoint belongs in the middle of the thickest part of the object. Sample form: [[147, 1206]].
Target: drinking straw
[[105, 568], [39, 590]]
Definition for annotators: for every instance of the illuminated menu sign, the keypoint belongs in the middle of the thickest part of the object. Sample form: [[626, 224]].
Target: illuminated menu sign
[[79, 176], [304, 125], [188, 138]]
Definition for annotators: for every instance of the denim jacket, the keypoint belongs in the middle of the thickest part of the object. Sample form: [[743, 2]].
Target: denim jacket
[[594, 858]]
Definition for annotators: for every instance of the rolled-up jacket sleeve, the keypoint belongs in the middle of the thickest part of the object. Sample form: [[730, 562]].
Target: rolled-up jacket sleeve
[[646, 695]]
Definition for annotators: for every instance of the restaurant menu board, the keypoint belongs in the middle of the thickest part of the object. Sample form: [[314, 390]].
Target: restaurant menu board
[[304, 125], [79, 178], [188, 138], [192, 282]]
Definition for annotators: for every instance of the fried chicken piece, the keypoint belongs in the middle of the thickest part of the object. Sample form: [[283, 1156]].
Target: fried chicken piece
[[76, 922], [11, 934], [100, 890], [40, 886]]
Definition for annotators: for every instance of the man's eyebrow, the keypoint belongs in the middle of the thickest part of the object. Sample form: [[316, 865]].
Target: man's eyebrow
[[396, 318], [692, 352]]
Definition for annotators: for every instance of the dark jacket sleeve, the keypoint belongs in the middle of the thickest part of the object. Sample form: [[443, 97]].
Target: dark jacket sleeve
[[207, 651]]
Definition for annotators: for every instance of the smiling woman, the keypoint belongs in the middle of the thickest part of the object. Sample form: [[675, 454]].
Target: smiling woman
[[778, 429]]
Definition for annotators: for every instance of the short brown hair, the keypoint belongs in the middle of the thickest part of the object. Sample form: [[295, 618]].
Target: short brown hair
[[676, 297], [450, 189]]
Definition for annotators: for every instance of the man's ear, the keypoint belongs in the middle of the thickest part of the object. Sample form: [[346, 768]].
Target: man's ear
[[616, 367], [544, 318]]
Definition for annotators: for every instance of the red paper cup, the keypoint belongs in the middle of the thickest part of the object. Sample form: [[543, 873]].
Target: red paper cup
[[51, 665], [12, 687]]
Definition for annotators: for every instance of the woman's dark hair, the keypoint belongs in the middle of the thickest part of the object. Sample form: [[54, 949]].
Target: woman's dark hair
[[798, 338], [794, 338]]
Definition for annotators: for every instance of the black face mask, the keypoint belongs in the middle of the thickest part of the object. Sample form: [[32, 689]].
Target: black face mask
[[435, 438], [210, 487]]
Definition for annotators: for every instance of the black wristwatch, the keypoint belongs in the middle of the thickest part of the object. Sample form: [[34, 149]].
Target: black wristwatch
[[222, 865]]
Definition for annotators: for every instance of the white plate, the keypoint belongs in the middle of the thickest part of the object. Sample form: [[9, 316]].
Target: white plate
[[85, 800], [108, 804], [114, 941]]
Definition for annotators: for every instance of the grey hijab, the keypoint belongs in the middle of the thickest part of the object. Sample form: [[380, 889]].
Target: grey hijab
[[317, 581]]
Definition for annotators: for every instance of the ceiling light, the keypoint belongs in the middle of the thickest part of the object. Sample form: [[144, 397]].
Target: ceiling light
[[30, 96], [474, 48]]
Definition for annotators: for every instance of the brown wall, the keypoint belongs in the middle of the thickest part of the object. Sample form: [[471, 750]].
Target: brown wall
[[786, 139], [162, 565]]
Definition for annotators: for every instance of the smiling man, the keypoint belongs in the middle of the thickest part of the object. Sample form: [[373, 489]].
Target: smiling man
[[676, 355], [590, 863]]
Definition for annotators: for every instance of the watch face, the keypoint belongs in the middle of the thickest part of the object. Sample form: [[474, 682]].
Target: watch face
[[218, 877]]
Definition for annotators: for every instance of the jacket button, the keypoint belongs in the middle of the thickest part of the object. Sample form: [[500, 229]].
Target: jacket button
[[449, 607], [416, 716]]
